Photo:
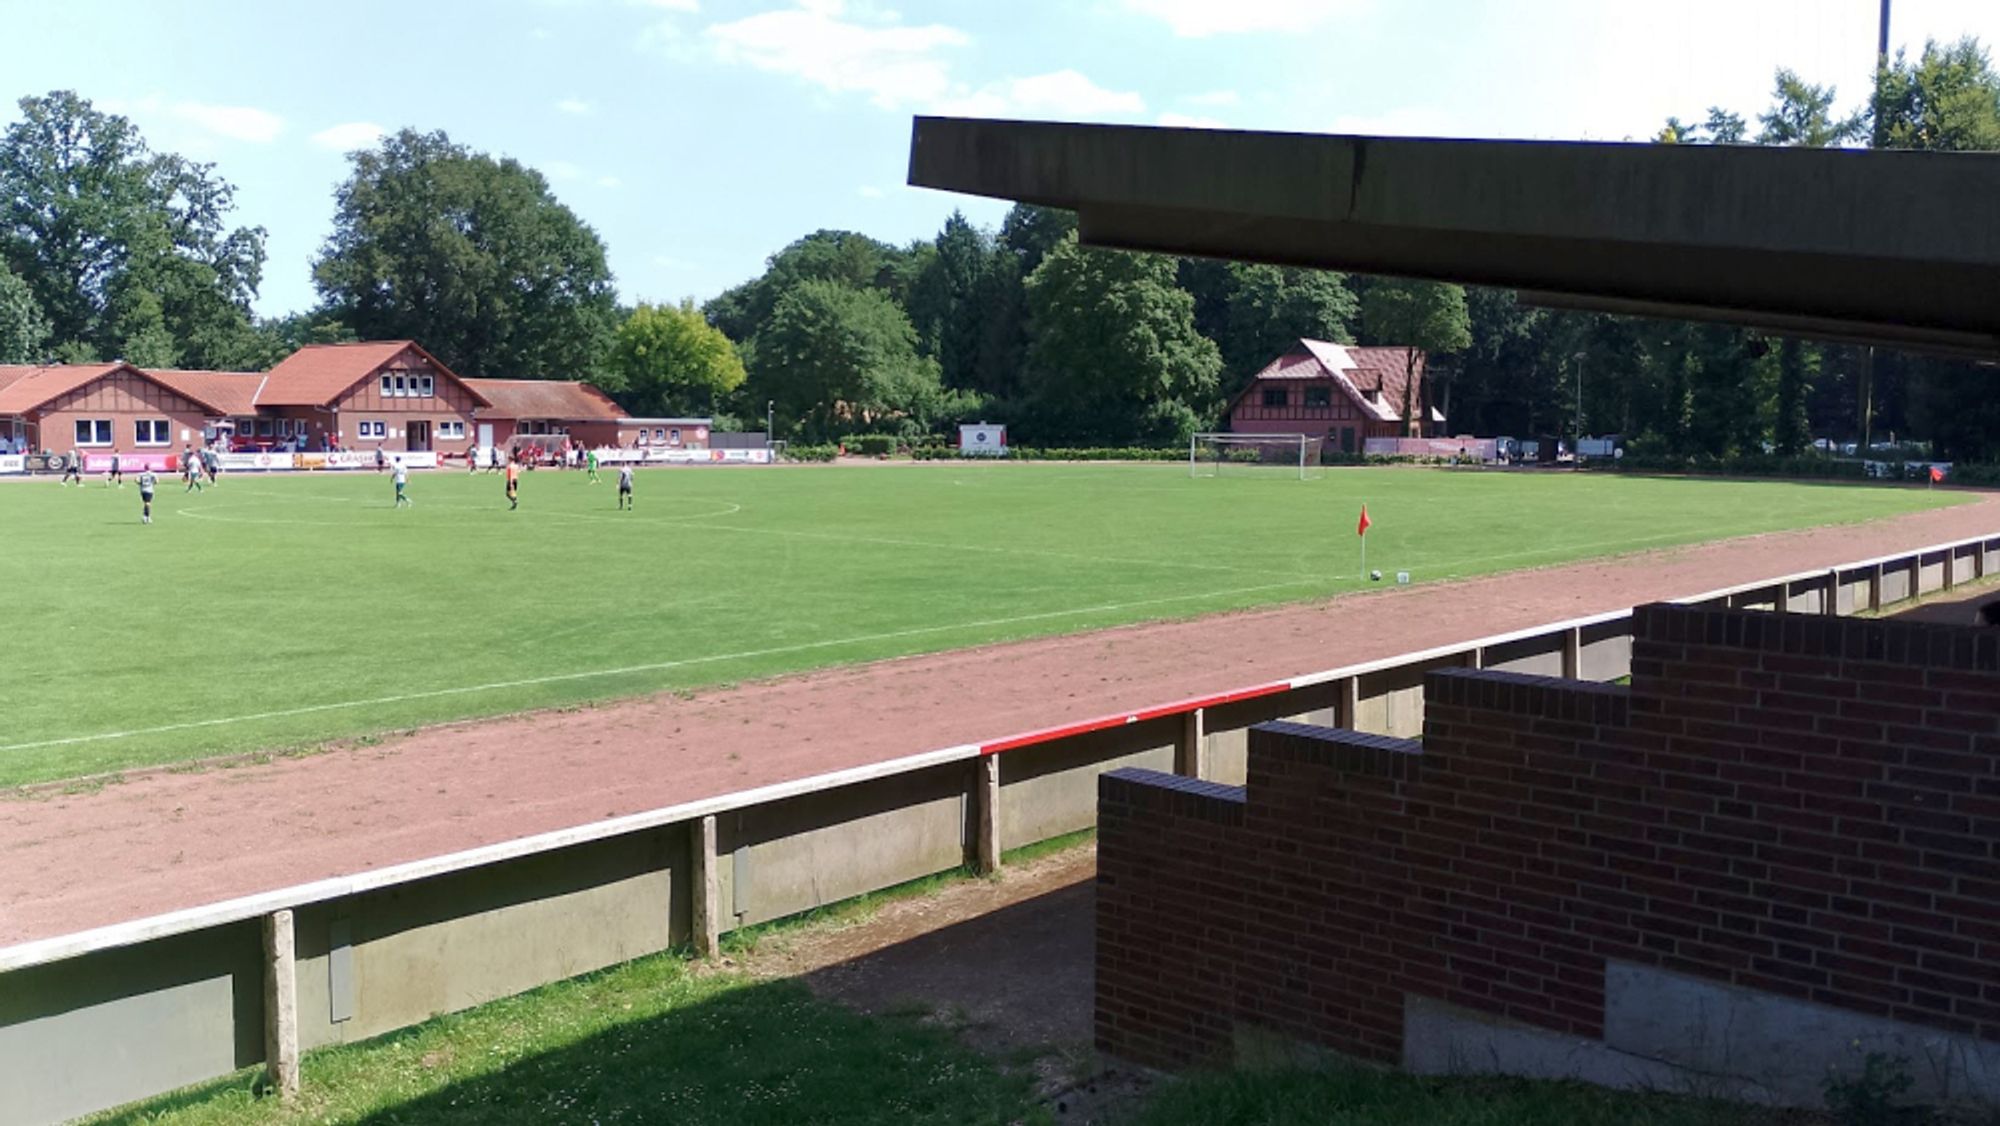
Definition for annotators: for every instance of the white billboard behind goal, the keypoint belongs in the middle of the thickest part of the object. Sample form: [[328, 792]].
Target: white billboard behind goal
[[1247, 455]]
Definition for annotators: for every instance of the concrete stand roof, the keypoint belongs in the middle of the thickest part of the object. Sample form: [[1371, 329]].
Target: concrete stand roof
[[1898, 248]]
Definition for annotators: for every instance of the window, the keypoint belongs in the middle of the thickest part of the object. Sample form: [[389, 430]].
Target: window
[[151, 432], [374, 430], [451, 429], [426, 387], [1319, 396], [402, 388], [1274, 396], [264, 427], [388, 385], [660, 435], [674, 437], [642, 435], [93, 431]]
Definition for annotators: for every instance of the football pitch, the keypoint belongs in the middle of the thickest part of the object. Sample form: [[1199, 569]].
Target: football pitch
[[278, 612]]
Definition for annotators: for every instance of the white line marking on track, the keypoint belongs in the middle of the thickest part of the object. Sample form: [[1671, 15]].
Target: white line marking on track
[[658, 666]]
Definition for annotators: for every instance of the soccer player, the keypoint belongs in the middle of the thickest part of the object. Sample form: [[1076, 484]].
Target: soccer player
[[72, 469], [625, 487], [210, 462], [147, 483], [192, 467], [513, 485], [471, 460], [590, 462], [402, 479], [116, 474]]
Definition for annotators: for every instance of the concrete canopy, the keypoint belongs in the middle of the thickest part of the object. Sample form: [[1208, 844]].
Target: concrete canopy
[[1897, 248]]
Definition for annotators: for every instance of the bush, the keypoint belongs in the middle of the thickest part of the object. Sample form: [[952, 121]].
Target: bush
[[811, 453], [1758, 465], [1098, 453], [870, 445]]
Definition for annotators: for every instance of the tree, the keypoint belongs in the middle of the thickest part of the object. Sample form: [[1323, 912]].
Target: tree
[[1270, 308], [1791, 432], [837, 359], [1801, 114], [473, 256], [1948, 100], [944, 301], [127, 253], [669, 360], [1031, 232], [1113, 355], [1424, 315], [853, 260], [24, 332]]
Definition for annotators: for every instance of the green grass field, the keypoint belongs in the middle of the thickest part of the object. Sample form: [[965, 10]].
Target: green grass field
[[276, 612]]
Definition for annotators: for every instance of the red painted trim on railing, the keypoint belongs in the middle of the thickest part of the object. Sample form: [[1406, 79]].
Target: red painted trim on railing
[[1121, 719]]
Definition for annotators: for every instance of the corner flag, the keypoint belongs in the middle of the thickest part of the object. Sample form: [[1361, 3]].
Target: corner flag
[[1937, 475], [1361, 529]]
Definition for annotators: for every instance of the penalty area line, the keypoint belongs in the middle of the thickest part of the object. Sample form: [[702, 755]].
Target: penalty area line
[[627, 670]]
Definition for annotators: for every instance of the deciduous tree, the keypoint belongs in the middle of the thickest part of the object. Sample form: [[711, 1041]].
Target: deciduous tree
[[668, 359]]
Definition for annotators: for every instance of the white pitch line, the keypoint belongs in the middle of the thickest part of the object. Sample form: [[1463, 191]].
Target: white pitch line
[[658, 666]]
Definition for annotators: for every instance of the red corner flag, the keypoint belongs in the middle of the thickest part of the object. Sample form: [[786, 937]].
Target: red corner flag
[[1361, 529], [1937, 475]]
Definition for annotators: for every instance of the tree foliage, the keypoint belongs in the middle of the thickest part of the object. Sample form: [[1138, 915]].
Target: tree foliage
[[127, 253], [1425, 315], [669, 360], [24, 332], [1801, 114], [470, 254], [1113, 354], [836, 359], [1948, 100]]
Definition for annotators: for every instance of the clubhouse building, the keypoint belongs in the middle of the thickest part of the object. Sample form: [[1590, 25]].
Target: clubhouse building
[[324, 398], [1339, 393]]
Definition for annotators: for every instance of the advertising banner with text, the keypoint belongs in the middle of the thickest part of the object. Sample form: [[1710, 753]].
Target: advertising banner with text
[[13, 463], [132, 463], [254, 461]]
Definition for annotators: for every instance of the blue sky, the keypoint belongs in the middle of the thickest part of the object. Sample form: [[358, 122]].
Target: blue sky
[[699, 136]]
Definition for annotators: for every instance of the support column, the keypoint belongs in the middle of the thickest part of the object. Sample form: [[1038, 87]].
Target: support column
[[281, 1006], [1875, 589], [986, 795], [1347, 703], [707, 888], [1916, 576], [1830, 604], [1572, 655], [1950, 567], [1191, 753], [1476, 657]]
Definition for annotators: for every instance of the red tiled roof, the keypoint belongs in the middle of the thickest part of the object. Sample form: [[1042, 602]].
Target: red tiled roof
[[544, 398], [1375, 378], [23, 388], [224, 392], [316, 374]]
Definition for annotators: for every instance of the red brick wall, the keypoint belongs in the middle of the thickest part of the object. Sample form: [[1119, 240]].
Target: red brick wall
[[124, 399], [1802, 805]]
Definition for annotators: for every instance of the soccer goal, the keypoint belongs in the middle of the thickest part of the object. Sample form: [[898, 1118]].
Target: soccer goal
[[1267, 455]]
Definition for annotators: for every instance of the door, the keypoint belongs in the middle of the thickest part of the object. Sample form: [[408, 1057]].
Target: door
[[417, 438], [1347, 439]]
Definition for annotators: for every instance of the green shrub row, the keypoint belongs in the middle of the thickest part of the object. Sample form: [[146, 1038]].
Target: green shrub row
[[811, 453]]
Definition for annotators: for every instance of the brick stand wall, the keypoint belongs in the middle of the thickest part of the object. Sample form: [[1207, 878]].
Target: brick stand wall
[[1803, 806]]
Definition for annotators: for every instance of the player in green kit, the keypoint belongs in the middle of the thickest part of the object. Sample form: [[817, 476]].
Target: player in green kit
[[590, 462], [147, 483], [402, 480]]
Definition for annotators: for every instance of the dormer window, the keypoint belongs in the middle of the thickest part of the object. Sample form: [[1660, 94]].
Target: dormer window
[[1274, 396]]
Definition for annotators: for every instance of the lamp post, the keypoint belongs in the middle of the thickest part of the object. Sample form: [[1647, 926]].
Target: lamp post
[[770, 426], [1576, 425]]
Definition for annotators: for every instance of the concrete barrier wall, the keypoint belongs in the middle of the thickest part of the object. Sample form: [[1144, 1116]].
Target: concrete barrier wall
[[94, 1020]]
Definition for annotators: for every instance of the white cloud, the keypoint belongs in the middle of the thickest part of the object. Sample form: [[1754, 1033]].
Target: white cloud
[[892, 64], [1062, 94], [870, 191], [1197, 19], [349, 136], [575, 106], [240, 123], [560, 170], [1190, 121], [610, 182], [1214, 98]]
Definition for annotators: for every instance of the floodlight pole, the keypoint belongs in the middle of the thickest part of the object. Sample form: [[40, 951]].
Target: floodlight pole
[[770, 424]]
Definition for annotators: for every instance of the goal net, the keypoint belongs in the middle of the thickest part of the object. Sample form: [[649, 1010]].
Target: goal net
[[1280, 455]]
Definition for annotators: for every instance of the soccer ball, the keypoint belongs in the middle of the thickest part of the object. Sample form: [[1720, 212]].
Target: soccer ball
[[1375, 575]]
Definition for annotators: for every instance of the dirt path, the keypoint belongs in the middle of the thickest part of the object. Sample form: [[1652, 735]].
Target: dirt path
[[1006, 964], [164, 841]]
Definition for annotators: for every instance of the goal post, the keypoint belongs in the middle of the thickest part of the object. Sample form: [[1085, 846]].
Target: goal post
[[1281, 455]]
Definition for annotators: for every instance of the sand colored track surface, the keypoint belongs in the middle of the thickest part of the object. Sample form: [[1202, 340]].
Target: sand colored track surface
[[161, 841]]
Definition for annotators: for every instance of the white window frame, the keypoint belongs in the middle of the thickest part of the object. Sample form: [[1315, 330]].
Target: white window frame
[[159, 426], [659, 435], [374, 428], [427, 386], [451, 428], [388, 385], [674, 436], [102, 433]]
